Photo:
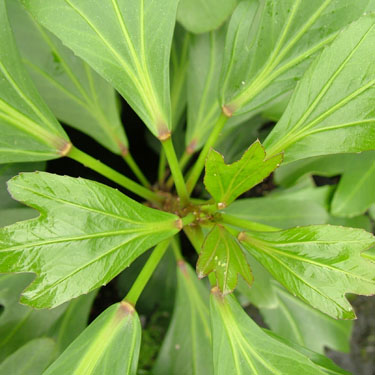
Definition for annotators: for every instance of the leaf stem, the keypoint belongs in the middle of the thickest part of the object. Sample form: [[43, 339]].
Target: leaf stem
[[146, 273], [175, 169], [97, 166], [196, 171], [176, 247], [182, 162], [162, 167], [136, 170], [246, 224]]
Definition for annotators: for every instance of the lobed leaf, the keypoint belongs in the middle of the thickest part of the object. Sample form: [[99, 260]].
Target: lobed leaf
[[227, 182], [77, 95], [87, 233], [109, 345], [128, 42], [29, 131], [186, 348], [320, 264], [241, 347], [332, 109], [222, 254]]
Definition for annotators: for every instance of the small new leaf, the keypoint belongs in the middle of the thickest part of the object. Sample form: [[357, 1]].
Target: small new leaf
[[227, 182], [319, 263], [222, 254], [110, 345], [87, 233]]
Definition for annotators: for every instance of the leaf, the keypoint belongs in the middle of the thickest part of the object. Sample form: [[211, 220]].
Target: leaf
[[110, 345], [205, 57], [127, 42], [201, 16], [279, 38], [240, 347], [284, 211], [362, 222], [298, 322], [73, 321], [323, 362], [186, 348], [20, 324], [87, 233], [226, 182], [320, 264], [355, 192], [332, 109], [29, 131], [76, 94], [222, 254], [31, 359], [13, 215]]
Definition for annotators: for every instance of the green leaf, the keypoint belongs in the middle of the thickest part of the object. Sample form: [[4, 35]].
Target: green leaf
[[76, 94], [362, 221], [201, 16], [186, 348], [298, 322], [355, 192], [240, 347], [127, 42], [222, 254], [283, 211], [19, 323], [110, 345], [87, 233], [227, 182], [13, 215], [332, 108], [320, 264], [271, 43], [73, 321], [205, 57], [29, 131], [31, 359]]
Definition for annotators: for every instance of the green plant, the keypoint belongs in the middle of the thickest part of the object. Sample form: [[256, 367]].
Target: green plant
[[307, 65]]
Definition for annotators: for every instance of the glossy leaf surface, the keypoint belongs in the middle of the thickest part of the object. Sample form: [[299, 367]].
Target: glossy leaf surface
[[205, 59], [29, 131], [226, 182], [298, 322], [320, 264], [31, 359], [186, 348], [222, 254], [19, 323], [77, 95], [109, 345], [271, 43], [127, 42], [201, 16], [87, 233], [332, 109], [356, 190], [242, 348]]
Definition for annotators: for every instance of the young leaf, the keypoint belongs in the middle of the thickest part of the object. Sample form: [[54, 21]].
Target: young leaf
[[270, 44], [295, 320], [110, 345], [226, 182], [31, 359], [19, 323], [87, 233], [186, 348], [76, 94], [222, 254], [332, 109], [206, 53], [127, 42], [320, 264], [201, 16], [29, 131], [240, 347], [356, 190]]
